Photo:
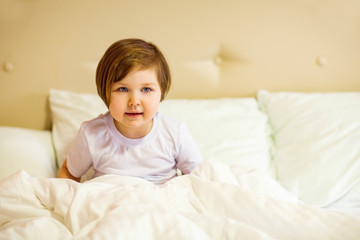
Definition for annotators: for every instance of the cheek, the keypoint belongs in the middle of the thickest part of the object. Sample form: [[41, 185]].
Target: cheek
[[152, 104], [115, 103], [159, 96], [156, 100]]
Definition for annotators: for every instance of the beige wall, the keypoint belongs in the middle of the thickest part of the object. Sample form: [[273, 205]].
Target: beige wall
[[273, 45]]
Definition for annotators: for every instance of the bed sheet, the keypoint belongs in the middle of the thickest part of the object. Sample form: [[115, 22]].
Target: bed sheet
[[213, 202]]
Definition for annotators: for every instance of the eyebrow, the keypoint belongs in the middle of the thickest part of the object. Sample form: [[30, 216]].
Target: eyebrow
[[144, 84], [149, 84]]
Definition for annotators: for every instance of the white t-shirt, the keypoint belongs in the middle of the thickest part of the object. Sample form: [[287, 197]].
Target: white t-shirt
[[155, 157]]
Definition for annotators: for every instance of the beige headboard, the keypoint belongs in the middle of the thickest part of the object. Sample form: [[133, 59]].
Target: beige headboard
[[215, 48]]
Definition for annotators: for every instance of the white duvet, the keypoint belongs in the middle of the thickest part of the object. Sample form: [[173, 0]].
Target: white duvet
[[214, 202]]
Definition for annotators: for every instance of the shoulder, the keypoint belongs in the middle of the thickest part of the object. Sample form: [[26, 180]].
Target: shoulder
[[173, 126], [95, 124]]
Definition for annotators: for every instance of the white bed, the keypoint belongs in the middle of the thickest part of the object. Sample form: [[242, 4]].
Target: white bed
[[284, 165]]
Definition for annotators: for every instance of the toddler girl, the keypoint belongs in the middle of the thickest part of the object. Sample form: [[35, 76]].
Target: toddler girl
[[132, 138]]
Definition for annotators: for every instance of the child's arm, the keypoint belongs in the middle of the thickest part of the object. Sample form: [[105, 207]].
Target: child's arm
[[189, 156], [64, 172]]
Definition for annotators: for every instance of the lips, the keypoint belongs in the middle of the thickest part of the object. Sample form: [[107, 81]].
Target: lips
[[133, 114]]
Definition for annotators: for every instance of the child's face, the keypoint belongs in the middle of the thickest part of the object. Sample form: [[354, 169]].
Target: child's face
[[134, 102]]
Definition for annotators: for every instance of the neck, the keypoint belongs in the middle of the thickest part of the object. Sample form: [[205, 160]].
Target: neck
[[136, 132]]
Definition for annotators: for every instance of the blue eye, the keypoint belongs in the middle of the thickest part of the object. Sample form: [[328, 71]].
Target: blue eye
[[146, 89], [122, 89]]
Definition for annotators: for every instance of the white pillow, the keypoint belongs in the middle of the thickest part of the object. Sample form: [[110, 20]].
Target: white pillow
[[25, 149], [316, 142], [231, 130], [68, 111]]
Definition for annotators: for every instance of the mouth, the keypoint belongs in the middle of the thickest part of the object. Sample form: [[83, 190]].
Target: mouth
[[133, 114]]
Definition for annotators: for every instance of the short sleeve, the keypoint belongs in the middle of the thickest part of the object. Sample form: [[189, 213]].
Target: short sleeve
[[79, 157], [188, 155]]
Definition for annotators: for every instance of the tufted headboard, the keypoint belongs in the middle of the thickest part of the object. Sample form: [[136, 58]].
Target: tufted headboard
[[215, 48]]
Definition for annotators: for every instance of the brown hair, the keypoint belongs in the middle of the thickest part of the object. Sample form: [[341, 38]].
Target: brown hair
[[125, 55]]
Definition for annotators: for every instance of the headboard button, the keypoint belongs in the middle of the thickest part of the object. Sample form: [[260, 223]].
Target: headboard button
[[321, 61], [218, 60], [7, 66]]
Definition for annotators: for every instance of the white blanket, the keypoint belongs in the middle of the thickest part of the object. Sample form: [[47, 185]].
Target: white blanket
[[214, 202]]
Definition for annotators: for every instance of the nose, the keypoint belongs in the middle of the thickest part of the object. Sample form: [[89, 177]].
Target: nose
[[134, 100]]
